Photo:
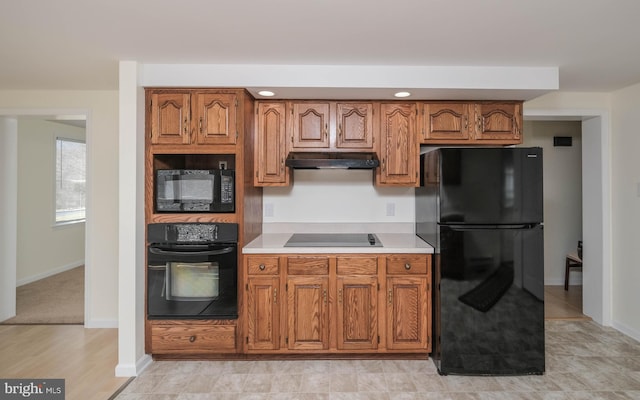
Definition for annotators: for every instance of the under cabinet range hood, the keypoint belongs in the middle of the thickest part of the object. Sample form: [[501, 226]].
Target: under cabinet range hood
[[332, 160]]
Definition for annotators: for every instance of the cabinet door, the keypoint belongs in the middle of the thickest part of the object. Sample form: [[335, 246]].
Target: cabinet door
[[215, 115], [170, 120], [499, 122], [263, 313], [271, 145], [398, 144], [357, 312], [446, 123], [407, 313], [307, 317], [354, 125], [310, 125]]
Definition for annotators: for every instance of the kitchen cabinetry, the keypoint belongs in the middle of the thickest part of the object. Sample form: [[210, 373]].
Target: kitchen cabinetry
[[408, 303], [398, 144], [203, 128], [170, 117], [357, 303], [336, 303], [331, 125], [185, 117], [191, 337], [499, 123], [307, 303], [271, 145], [471, 123], [263, 309]]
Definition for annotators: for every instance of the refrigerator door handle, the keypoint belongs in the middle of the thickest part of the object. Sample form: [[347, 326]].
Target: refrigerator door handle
[[485, 227]]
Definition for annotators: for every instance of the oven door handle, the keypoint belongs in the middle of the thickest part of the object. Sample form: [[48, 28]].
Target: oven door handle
[[158, 251]]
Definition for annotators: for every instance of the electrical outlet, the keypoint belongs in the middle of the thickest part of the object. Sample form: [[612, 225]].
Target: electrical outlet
[[268, 209], [391, 209]]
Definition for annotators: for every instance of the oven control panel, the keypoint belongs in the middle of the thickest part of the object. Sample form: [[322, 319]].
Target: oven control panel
[[192, 233]]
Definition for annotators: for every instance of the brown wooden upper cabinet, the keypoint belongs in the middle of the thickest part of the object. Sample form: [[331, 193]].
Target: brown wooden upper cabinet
[[398, 144], [331, 125], [498, 123], [183, 117], [270, 145]]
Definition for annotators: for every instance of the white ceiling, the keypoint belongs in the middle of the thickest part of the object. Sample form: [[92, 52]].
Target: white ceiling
[[77, 44]]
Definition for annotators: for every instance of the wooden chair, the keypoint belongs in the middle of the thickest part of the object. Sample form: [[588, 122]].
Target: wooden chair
[[573, 261]]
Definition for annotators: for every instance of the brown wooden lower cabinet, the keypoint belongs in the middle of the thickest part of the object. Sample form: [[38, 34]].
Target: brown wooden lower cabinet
[[338, 304], [192, 337]]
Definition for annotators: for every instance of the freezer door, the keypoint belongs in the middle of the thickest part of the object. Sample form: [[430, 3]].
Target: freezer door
[[490, 185], [490, 299]]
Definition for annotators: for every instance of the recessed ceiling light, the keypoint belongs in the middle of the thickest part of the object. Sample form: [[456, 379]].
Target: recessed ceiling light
[[402, 94], [266, 93]]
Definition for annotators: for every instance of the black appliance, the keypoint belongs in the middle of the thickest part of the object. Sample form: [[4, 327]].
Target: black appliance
[[333, 240], [481, 209], [192, 271], [339, 160], [195, 190]]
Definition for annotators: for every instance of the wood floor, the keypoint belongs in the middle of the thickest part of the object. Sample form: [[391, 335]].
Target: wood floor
[[86, 358], [563, 304]]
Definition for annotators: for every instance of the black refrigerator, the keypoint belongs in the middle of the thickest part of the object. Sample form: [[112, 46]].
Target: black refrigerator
[[481, 209]]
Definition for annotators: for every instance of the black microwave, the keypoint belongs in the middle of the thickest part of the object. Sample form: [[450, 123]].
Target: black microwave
[[194, 190]]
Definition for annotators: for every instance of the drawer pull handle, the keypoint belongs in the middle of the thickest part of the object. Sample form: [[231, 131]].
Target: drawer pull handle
[[262, 267], [407, 266], [192, 338]]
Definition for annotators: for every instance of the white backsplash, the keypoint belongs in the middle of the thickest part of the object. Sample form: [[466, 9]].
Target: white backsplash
[[338, 196]]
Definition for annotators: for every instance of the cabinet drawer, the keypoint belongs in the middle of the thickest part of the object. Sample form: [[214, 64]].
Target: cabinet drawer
[[357, 265], [308, 265], [193, 339], [263, 265], [407, 264]]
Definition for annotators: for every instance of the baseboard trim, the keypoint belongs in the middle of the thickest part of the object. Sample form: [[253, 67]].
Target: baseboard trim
[[49, 273], [124, 370], [577, 280], [627, 330]]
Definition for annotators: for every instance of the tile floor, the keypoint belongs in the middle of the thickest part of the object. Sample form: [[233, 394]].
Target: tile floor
[[584, 361]]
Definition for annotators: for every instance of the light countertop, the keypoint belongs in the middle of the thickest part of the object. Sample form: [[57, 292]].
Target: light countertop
[[273, 243]]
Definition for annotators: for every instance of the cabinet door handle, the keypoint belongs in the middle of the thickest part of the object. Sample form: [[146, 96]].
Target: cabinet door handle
[[390, 296], [340, 129], [326, 130], [200, 127], [185, 126], [275, 296], [407, 266], [192, 338], [324, 295], [340, 296]]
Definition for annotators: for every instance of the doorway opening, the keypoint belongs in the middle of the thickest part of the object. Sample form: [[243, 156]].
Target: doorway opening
[[596, 211], [45, 264]]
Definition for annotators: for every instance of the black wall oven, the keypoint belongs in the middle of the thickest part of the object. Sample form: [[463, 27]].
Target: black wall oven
[[192, 271]]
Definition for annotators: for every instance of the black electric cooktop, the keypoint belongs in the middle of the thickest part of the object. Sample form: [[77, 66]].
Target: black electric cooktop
[[333, 240]]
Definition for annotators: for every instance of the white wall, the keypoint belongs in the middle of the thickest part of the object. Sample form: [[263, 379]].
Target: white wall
[[43, 249], [626, 209], [342, 196], [101, 256], [8, 215], [562, 194]]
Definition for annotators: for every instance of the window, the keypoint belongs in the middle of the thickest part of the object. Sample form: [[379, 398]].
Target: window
[[70, 180]]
